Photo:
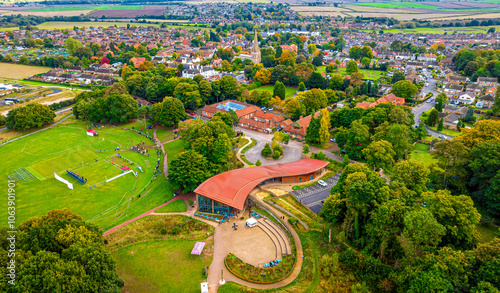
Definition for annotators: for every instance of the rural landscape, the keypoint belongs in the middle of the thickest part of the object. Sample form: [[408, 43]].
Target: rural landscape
[[250, 146]]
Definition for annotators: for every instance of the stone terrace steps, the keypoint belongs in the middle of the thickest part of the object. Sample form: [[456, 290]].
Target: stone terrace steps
[[273, 237]]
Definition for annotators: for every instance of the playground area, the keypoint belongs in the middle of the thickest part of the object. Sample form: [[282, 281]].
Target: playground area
[[91, 164]]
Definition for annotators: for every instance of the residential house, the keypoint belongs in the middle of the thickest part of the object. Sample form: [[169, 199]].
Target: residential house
[[463, 98], [474, 88], [390, 98], [457, 79], [487, 81], [491, 91], [452, 89], [485, 102]]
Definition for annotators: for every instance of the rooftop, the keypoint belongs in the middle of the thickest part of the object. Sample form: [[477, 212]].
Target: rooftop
[[232, 188]]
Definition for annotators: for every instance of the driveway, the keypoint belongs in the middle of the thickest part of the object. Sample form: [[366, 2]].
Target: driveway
[[314, 196], [291, 152]]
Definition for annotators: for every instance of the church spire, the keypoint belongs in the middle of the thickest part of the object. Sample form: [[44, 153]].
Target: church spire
[[256, 42]]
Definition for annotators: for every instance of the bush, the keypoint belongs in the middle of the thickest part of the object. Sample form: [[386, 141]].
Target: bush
[[163, 231], [292, 221], [266, 151], [258, 163], [276, 155], [176, 230]]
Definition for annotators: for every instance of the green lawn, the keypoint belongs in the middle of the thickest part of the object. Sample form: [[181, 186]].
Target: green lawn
[[368, 73], [164, 134], [177, 206], [290, 91], [161, 266], [421, 153], [173, 148], [67, 147], [447, 131]]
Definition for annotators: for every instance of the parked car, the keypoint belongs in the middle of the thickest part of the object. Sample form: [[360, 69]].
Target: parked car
[[442, 136], [322, 183], [333, 139], [270, 109]]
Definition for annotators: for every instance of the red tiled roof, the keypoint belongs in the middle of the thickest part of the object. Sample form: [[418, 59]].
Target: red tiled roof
[[232, 188]]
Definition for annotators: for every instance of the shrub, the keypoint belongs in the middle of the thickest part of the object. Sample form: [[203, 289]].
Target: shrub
[[163, 231], [276, 155], [293, 221]]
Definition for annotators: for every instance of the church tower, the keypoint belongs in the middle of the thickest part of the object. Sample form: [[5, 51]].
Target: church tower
[[255, 50]]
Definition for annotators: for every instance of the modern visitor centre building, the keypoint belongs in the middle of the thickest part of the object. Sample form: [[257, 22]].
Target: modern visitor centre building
[[226, 193]]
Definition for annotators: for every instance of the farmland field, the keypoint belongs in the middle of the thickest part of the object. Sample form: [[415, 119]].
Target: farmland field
[[126, 13], [427, 30], [19, 71], [63, 24], [51, 13]]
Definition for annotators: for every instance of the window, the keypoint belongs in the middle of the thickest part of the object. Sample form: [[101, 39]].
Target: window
[[300, 179], [311, 178]]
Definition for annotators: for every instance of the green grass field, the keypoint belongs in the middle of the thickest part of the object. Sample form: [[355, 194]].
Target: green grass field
[[177, 206], [164, 134], [161, 266], [289, 91], [442, 30], [49, 25], [368, 73], [67, 147], [421, 153], [419, 6]]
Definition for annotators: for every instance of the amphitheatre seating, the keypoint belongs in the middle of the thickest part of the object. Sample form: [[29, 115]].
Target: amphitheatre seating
[[281, 238]]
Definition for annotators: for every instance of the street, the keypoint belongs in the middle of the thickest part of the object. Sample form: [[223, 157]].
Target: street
[[425, 106]]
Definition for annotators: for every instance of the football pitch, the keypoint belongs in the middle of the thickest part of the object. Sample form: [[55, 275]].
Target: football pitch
[[95, 158]]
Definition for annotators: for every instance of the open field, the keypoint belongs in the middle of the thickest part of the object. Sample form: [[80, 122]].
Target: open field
[[87, 7], [62, 24], [126, 13], [470, 16], [289, 91], [442, 30], [161, 266], [49, 13], [421, 154], [9, 70], [67, 147], [439, 7]]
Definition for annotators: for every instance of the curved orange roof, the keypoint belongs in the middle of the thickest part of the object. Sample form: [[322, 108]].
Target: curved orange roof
[[232, 188]]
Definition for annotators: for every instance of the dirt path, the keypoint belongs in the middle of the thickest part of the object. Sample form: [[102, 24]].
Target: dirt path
[[158, 143]]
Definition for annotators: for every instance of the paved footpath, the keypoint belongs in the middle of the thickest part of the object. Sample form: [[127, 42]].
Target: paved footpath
[[182, 196]]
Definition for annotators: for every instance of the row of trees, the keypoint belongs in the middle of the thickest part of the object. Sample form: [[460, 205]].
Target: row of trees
[[33, 115]]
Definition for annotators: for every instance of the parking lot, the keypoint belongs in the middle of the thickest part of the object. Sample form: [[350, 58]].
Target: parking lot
[[314, 196]]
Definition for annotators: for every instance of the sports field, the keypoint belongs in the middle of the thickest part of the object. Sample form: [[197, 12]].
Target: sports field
[[67, 147], [19, 71]]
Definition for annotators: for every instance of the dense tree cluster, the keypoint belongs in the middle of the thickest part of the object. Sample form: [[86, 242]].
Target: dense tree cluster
[[478, 62], [60, 252], [29, 116], [112, 105], [358, 128], [208, 152]]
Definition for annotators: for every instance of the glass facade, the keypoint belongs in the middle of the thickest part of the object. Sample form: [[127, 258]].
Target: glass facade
[[209, 206]]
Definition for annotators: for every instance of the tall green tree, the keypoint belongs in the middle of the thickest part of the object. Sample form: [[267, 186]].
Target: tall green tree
[[188, 169], [279, 90], [380, 155]]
